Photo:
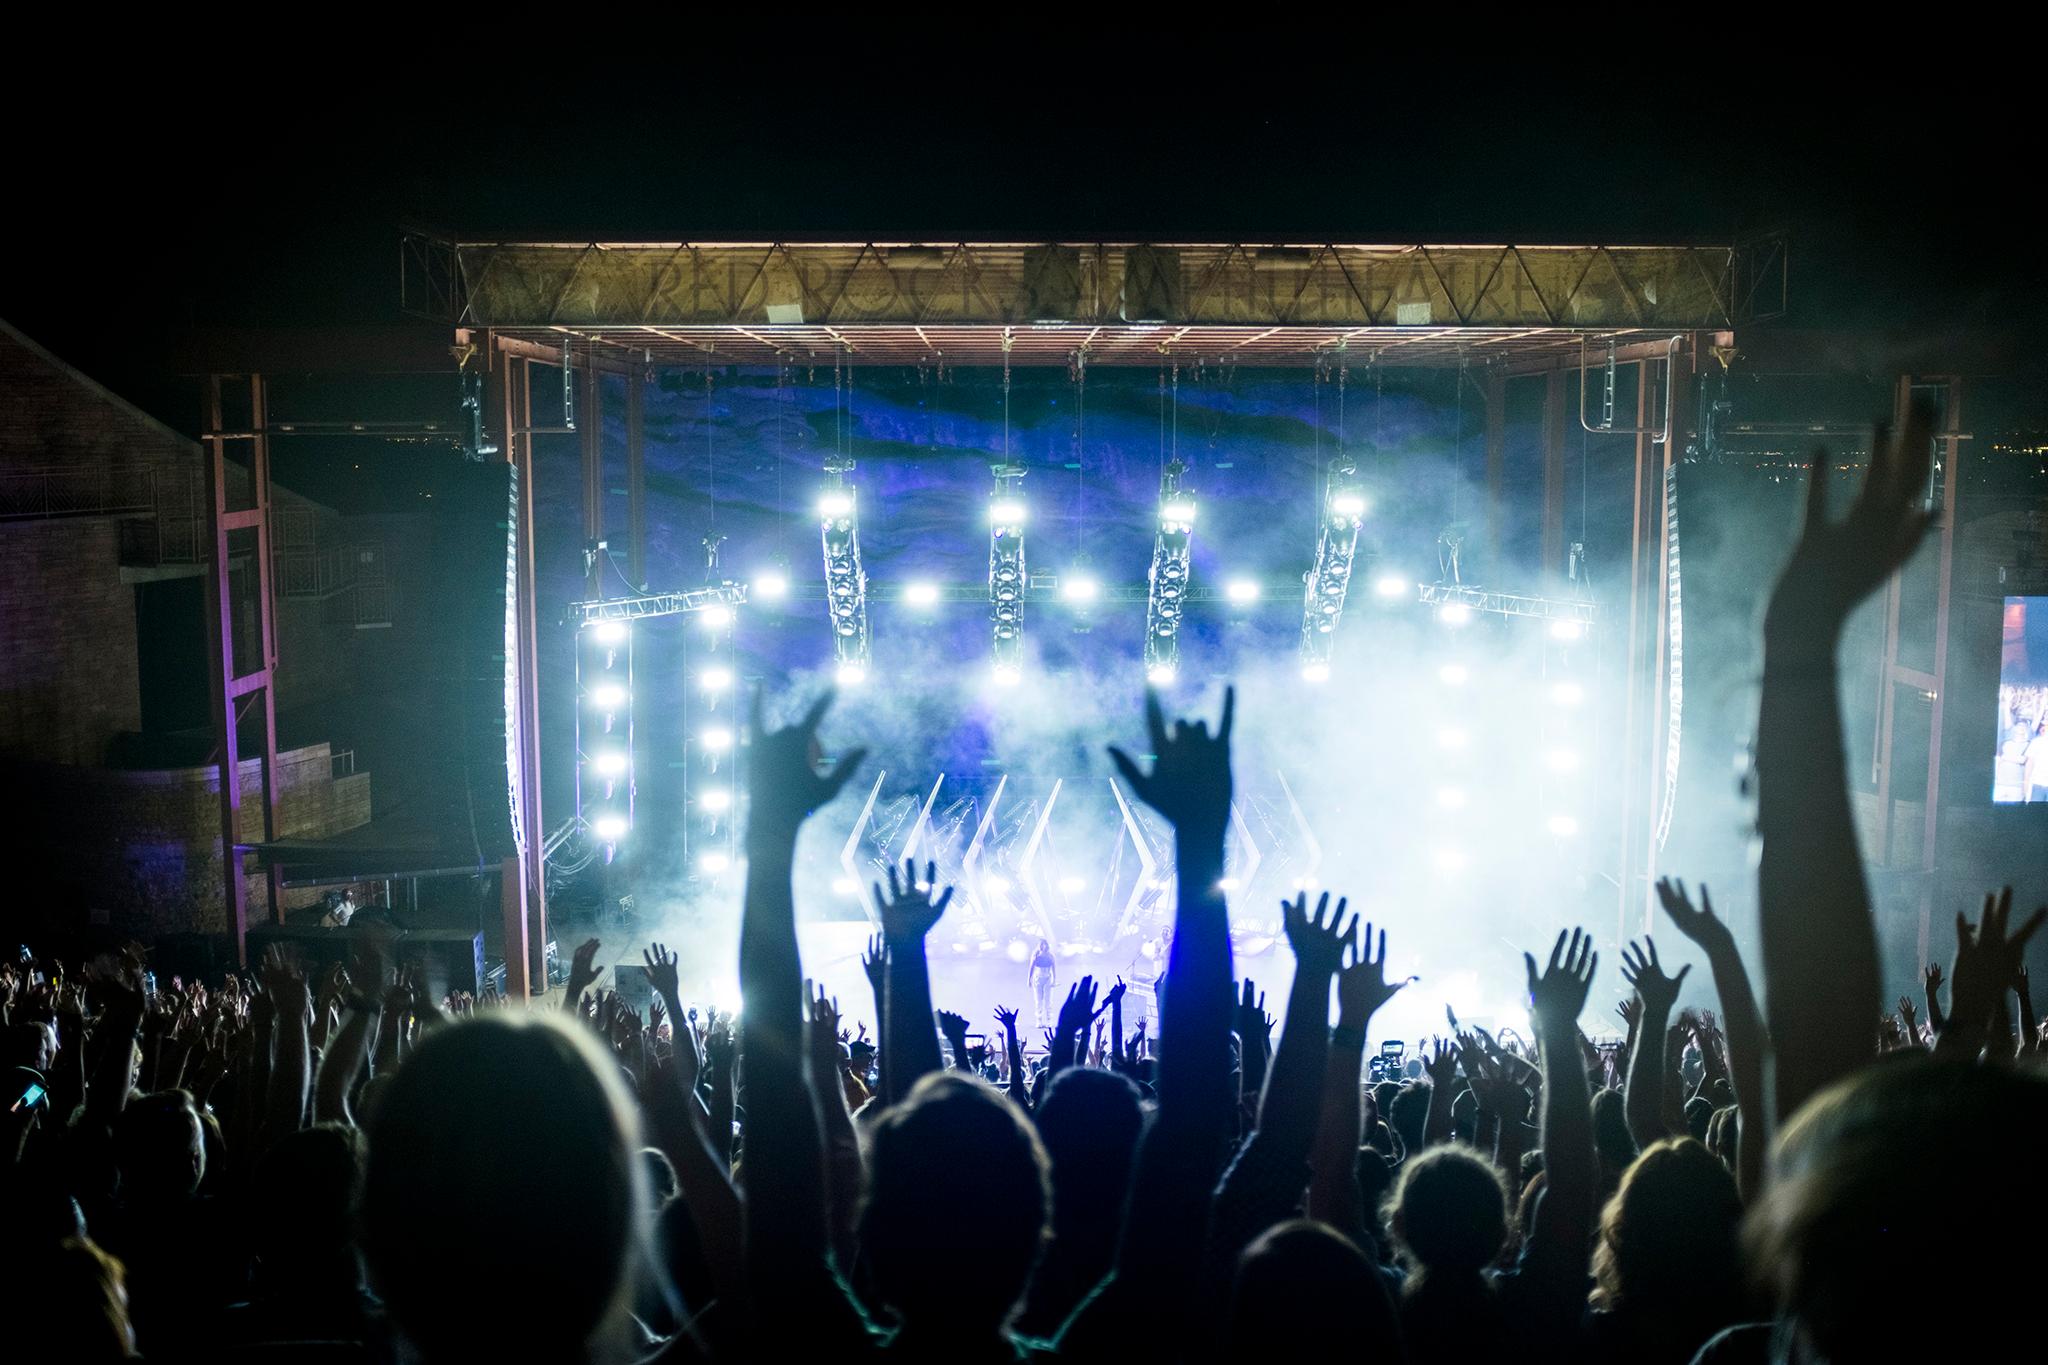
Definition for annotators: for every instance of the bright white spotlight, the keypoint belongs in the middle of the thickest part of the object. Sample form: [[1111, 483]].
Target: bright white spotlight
[[851, 675], [608, 827], [608, 763], [835, 503], [995, 886], [1451, 798], [1180, 511], [1006, 512], [1305, 883], [1315, 672], [1566, 630], [608, 696], [1069, 885], [1348, 504], [1454, 613], [921, 594], [770, 587], [1005, 675], [1228, 884], [714, 862], [1017, 950], [1159, 675], [716, 740], [1563, 826], [716, 617], [1567, 693], [1390, 585], [1454, 675], [1562, 760], [715, 799], [1242, 590], [1449, 859], [846, 886], [715, 679], [1451, 737], [608, 632], [1079, 588]]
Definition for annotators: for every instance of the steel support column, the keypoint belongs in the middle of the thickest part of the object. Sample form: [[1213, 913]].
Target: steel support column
[[1496, 470], [234, 694], [1553, 478], [590, 431], [636, 477]]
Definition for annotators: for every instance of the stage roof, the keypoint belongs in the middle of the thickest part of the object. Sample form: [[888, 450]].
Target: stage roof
[[971, 304]]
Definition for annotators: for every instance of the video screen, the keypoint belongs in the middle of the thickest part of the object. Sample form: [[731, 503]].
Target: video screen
[[2020, 771]]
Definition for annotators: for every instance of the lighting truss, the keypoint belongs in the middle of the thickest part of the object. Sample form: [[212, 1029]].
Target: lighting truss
[[846, 582], [1329, 581], [1007, 580], [1168, 580], [646, 605], [1509, 604], [604, 732]]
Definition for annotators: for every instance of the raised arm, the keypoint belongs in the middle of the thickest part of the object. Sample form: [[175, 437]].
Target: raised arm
[[1564, 1223], [1334, 1196], [1647, 1064], [785, 1219], [910, 1037], [1821, 980], [1748, 1044]]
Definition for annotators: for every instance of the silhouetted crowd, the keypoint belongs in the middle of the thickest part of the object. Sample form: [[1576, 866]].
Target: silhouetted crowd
[[337, 1167]]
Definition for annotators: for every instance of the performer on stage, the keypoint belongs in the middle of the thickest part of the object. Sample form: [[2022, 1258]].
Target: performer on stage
[[1044, 976]]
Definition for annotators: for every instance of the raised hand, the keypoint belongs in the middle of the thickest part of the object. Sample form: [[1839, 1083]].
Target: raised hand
[[1699, 924], [1079, 1010], [875, 962], [908, 911], [661, 972], [784, 785], [1007, 1019], [1631, 1012], [1362, 985], [1115, 994], [1641, 969], [1838, 564], [1190, 779], [1318, 942], [1988, 960], [1253, 1023], [582, 971], [954, 1027], [1558, 996], [1441, 1064]]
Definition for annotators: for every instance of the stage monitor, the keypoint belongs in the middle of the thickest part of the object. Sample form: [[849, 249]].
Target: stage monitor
[[2020, 764]]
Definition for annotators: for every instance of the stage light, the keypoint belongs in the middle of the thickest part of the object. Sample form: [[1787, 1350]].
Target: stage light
[[1242, 590], [1454, 675], [716, 617], [1005, 675], [1448, 859], [1451, 737], [770, 587], [1563, 826], [851, 675], [1454, 613], [836, 503], [1390, 585], [846, 582], [609, 632], [1329, 579], [846, 886], [1567, 693], [715, 799], [1348, 504], [1228, 884], [1006, 512], [608, 763], [1008, 578], [1079, 588], [1451, 798], [1171, 572], [995, 886], [1566, 630], [716, 739], [608, 696], [921, 594], [1069, 885], [714, 862], [608, 827], [1315, 672], [715, 679], [1562, 760], [1017, 950], [1305, 883]]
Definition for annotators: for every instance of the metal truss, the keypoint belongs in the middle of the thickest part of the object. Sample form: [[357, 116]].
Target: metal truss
[[648, 605], [1508, 603], [1007, 576], [1328, 583], [846, 582], [1169, 576]]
